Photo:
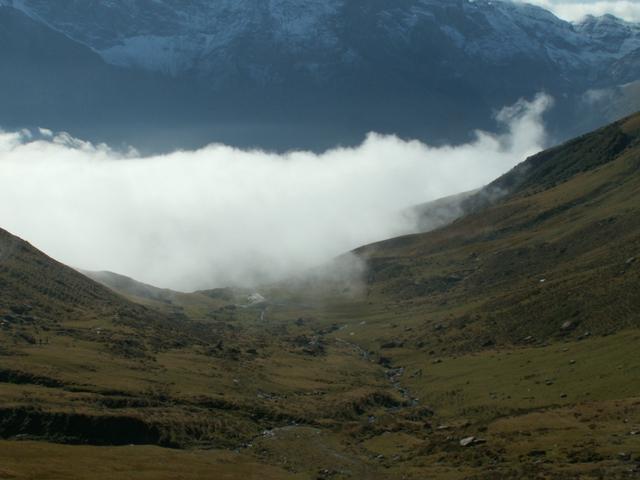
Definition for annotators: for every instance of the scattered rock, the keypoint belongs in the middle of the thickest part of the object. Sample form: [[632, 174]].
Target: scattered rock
[[470, 441], [326, 473], [563, 395], [568, 325], [465, 442], [310, 345], [625, 457], [572, 362], [265, 395], [394, 374]]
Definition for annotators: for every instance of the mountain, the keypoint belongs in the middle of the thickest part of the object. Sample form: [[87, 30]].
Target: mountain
[[49, 79], [220, 40], [36, 287], [501, 345], [129, 287], [40, 297], [299, 74]]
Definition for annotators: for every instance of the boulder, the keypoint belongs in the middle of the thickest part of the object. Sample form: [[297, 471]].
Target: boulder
[[467, 441], [568, 325]]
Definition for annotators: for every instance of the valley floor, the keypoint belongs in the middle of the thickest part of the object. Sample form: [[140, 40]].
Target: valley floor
[[321, 398]]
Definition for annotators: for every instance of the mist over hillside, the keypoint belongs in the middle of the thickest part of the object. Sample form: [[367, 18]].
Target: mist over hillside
[[224, 216]]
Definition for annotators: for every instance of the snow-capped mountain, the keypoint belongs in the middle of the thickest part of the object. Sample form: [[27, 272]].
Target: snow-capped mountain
[[413, 67], [208, 37]]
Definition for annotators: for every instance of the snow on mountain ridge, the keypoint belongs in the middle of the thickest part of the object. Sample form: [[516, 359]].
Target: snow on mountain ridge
[[182, 37], [616, 35]]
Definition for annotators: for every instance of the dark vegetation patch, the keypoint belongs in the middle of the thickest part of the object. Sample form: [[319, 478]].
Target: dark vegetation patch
[[78, 428], [26, 378]]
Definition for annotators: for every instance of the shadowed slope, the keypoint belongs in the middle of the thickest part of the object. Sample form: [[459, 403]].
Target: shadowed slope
[[31, 281]]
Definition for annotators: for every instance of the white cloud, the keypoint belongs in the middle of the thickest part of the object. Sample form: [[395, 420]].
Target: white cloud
[[575, 10], [219, 215]]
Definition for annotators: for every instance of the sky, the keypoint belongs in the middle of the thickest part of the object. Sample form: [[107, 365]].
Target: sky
[[574, 10], [223, 216]]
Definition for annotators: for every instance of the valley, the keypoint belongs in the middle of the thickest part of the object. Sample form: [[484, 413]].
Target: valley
[[502, 345]]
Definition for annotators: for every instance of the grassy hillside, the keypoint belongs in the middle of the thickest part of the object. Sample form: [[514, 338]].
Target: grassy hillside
[[80, 364], [503, 345], [543, 263]]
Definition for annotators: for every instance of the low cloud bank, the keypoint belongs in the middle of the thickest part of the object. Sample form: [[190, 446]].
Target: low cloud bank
[[222, 216], [575, 10]]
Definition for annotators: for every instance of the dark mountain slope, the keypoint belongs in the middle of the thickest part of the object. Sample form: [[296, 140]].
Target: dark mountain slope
[[194, 305], [49, 80], [302, 74], [557, 165], [30, 280], [129, 287], [40, 295]]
